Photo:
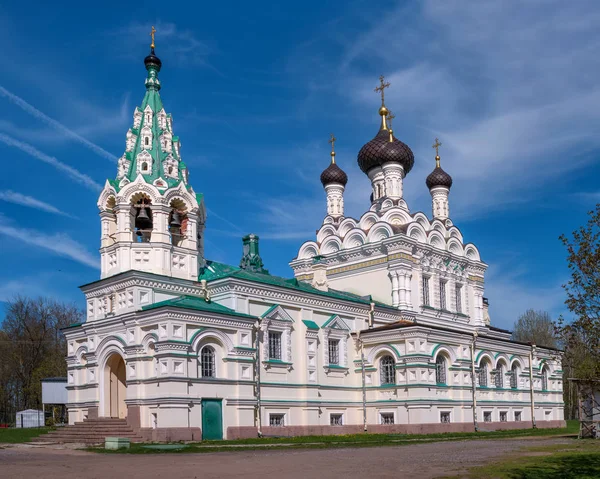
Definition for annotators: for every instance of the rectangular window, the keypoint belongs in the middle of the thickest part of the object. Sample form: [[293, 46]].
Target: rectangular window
[[442, 294], [458, 294], [487, 416], [387, 418], [274, 345], [517, 416], [334, 351], [277, 420], [444, 417], [336, 419], [426, 290], [503, 416]]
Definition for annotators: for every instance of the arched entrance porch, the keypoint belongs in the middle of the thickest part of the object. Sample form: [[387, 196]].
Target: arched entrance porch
[[115, 388]]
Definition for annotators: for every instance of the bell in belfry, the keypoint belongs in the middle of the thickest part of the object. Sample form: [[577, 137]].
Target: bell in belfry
[[142, 220], [175, 220]]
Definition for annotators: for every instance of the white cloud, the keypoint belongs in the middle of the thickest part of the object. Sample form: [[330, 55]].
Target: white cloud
[[59, 243], [55, 124], [23, 200], [59, 165]]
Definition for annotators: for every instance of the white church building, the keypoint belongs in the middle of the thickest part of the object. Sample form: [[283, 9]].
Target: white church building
[[384, 326]]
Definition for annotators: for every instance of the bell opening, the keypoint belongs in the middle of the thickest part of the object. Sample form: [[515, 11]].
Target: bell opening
[[142, 225]]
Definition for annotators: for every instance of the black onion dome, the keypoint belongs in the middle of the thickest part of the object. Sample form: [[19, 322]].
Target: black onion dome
[[152, 60], [397, 152], [334, 174], [438, 177], [380, 150]]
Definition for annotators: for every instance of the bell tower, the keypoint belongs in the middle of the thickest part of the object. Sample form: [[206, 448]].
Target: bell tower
[[152, 220]]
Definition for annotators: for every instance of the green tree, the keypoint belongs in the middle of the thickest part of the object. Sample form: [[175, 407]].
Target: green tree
[[581, 337], [535, 327]]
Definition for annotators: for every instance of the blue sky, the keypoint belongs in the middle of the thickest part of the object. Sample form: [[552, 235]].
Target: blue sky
[[510, 88]]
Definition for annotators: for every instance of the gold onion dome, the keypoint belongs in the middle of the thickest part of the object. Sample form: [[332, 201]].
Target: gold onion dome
[[438, 177], [384, 148], [333, 173]]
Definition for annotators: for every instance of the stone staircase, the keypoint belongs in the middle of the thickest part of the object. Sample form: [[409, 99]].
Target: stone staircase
[[91, 431]]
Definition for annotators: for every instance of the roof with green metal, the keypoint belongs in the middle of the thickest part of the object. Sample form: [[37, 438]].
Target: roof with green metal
[[214, 270], [196, 304], [310, 324]]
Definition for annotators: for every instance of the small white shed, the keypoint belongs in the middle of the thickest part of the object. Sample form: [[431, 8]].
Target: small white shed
[[30, 418]]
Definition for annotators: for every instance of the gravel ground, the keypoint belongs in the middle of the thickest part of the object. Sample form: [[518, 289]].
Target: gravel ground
[[419, 460]]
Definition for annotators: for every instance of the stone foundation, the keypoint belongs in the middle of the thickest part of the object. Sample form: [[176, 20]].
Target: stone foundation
[[245, 432], [171, 434]]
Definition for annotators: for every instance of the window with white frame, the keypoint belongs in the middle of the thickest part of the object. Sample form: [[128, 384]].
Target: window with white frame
[[387, 367], [517, 416], [207, 362], [443, 294], [426, 290], [545, 379], [277, 420], [503, 416], [487, 416], [440, 369], [483, 374], [499, 377], [275, 345], [514, 376], [387, 417], [458, 297], [444, 417], [336, 419], [334, 351]]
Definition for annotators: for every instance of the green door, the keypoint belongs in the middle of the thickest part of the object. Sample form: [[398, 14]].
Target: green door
[[212, 419]]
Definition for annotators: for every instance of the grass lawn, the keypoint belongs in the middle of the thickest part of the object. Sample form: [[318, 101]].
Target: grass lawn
[[14, 435], [579, 460], [350, 440]]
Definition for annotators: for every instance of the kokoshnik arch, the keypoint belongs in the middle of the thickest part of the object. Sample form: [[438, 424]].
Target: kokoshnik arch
[[384, 326]]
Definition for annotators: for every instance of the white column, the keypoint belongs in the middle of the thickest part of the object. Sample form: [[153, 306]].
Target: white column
[[335, 199], [395, 286], [405, 288]]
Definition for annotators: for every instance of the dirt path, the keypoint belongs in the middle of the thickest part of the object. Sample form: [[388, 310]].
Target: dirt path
[[419, 460]]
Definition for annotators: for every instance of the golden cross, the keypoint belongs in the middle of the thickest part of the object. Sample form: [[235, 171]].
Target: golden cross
[[152, 32], [383, 85], [436, 145], [390, 117], [332, 141]]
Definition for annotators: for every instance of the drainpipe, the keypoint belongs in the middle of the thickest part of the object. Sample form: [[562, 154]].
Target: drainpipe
[[531, 356], [371, 314], [364, 388], [474, 381], [257, 376]]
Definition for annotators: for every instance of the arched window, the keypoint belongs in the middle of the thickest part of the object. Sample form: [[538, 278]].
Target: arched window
[[440, 369], [144, 166], [499, 378], [387, 367], [514, 376], [483, 374], [545, 379], [207, 362]]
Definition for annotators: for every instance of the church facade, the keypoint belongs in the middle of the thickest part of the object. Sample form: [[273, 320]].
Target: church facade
[[383, 328]]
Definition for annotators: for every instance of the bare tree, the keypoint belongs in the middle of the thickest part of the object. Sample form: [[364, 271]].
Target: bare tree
[[535, 327], [32, 347]]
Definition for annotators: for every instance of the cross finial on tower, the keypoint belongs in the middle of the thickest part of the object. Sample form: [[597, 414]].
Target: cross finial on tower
[[381, 88], [152, 32], [390, 117], [436, 145], [332, 141]]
